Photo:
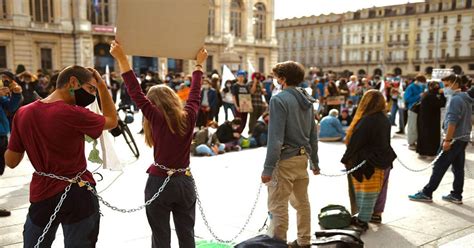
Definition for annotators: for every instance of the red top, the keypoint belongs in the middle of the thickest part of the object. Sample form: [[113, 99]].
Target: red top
[[170, 150], [52, 134]]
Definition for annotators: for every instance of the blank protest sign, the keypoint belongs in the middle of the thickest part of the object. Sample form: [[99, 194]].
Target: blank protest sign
[[162, 28]]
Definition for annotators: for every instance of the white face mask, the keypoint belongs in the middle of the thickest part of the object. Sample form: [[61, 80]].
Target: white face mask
[[148, 78]]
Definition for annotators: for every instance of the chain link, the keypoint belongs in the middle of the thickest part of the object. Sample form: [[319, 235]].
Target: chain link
[[346, 172], [206, 222]]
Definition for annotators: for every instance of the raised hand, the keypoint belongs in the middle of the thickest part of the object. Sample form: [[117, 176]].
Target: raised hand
[[201, 56], [117, 52]]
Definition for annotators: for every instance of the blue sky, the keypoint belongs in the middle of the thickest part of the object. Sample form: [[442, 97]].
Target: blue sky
[[298, 8]]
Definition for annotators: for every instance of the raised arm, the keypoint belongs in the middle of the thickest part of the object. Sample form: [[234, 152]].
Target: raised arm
[[108, 106], [194, 99], [133, 87]]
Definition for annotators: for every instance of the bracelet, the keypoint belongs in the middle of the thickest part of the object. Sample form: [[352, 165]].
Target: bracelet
[[199, 65]]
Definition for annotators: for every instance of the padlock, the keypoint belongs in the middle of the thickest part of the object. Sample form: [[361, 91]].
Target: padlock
[[170, 172], [188, 173], [302, 151], [81, 183]]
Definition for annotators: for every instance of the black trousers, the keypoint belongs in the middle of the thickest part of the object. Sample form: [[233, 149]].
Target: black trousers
[[3, 149], [179, 198]]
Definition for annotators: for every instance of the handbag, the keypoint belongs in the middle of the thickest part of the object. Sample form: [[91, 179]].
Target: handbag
[[338, 239], [416, 107], [334, 217]]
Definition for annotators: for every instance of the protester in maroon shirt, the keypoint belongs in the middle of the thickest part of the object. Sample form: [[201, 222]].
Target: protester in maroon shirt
[[51, 131], [169, 129]]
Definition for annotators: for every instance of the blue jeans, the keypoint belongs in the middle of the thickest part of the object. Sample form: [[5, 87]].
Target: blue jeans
[[79, 234], [455, 157], [393, 111], [228, 106], [206, 150]]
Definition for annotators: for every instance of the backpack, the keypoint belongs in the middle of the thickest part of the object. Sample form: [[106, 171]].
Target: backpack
[[262, 241], [334, 217]]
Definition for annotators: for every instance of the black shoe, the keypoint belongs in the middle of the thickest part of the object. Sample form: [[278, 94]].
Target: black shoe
[[4, 213], [360, 225], [376, 219], [400, 132], [295, 244]]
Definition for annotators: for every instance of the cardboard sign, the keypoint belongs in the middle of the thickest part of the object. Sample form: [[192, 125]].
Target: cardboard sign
[[162, 28], [245, 103], [334, 100]]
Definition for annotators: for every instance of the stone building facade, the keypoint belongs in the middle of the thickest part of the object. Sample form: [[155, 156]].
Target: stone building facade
[[52, 34], [403, 39]]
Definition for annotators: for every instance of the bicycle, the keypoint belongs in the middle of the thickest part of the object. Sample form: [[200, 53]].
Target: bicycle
[[122, 129]]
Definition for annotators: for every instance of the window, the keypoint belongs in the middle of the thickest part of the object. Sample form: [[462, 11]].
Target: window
[[378, 38], [98, 12], [406, 37], [444, 36], [3, 9], [456, 52], [377, 55], [42, 10], [390, 56], [443, 53], [419, 22], [236, 18], [260, 21], [46, 59], [459, 18], [391, 24], [369, 56], [458, 33], [432, 21], [417, 68], [405, 55], [398, 37], [431, 36], [210, 63], [370, 39], [445, 20], [211, 19], [417, 54], [348, 39], [3, 57], [390, 38], [418, 37], [362, 40], [430, 54]]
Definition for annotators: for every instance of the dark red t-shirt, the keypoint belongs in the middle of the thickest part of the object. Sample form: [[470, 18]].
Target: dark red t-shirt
[[52, 134]]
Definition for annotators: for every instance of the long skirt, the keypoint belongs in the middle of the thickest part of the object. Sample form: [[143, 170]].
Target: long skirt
[[366, 194]]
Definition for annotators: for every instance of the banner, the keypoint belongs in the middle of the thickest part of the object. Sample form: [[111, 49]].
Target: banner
[[226, 75], [162, 28]]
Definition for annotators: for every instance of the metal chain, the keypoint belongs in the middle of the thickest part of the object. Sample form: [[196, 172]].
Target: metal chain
[[206, 222], [76, 179], [346, 172], [434, 161]]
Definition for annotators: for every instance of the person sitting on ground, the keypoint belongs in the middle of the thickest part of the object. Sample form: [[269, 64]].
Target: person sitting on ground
[[229, 134], [260, 131], [345, 118], [206, 143], [331, 128]]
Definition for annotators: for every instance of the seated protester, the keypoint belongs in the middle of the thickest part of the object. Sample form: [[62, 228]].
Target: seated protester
[[331, 128], [351, 108], [260, 131], [206, 143], [345, 118], [229, 134]]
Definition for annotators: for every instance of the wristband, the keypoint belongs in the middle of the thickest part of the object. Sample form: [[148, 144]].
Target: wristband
[[199, 65]]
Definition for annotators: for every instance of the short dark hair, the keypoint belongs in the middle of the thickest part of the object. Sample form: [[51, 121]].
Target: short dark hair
[[293, 72], [81, 73], [421, 78], [236, 121]]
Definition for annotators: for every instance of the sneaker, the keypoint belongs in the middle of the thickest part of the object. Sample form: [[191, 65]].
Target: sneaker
[[359, 225], [400, 132], [452, 198], [412, 147], [295, 244], [421, 197], [5, 213]]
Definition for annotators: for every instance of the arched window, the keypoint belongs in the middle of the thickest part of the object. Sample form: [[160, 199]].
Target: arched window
[[259, 19], [236, 18], [98, 12], [42, 10], [211, 20], [3, 9]]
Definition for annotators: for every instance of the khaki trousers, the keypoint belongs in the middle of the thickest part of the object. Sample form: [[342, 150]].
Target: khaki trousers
[[291, 177]]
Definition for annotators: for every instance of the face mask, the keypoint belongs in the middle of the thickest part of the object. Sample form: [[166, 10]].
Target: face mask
[[187, 83], [229, 85], [148, 78], [448, 91], [83, 98]]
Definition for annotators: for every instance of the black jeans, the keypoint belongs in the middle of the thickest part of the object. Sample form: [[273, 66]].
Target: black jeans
[[456, 157], [3, 149], [179, 198]]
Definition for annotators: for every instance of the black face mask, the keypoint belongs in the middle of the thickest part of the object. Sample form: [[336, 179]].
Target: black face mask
[[83, 98]]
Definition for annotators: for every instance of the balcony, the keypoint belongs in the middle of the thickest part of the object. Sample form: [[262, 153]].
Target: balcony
[[458, 38], [398, 43], [431, 40]]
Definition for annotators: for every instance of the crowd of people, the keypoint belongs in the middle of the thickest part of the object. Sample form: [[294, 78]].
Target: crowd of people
[[288, 112]]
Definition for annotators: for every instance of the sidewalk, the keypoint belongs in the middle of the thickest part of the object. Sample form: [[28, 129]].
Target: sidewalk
[[228, 186]]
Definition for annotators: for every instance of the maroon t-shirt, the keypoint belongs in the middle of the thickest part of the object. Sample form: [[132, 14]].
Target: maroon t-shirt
[[170, 150], [52, 134]]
